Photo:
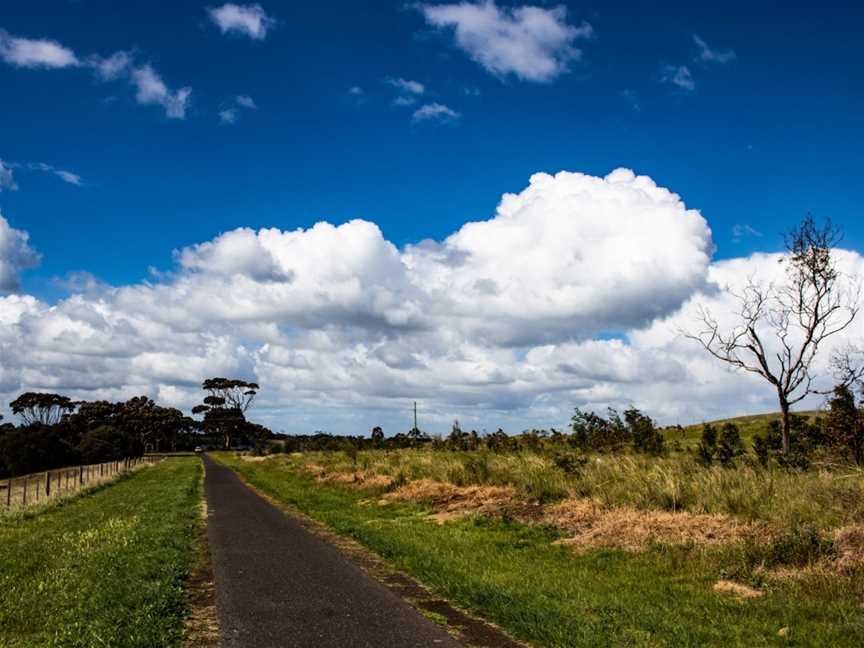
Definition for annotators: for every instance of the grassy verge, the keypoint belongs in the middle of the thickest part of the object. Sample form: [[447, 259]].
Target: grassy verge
[[548, 595], [105, 569]]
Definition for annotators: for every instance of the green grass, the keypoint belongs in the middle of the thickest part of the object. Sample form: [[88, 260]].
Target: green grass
[[104, 569], [547, 595], [749, 426]]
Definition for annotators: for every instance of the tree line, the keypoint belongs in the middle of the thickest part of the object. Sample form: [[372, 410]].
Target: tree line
[[55, 431]]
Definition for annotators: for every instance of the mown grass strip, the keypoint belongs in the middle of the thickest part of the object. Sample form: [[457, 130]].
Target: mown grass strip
[[542, 593], [106, 569]]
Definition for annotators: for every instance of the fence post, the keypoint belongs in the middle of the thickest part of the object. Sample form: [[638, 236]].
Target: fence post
[[47, 484], [8, 493], [24, 496]]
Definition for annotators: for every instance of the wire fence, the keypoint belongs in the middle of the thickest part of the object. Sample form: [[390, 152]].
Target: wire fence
[[38, 488]]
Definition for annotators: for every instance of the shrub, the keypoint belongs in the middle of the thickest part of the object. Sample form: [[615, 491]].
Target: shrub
[[643, 433], [802, 545], [708, 446], [729, 446], [761, 450]]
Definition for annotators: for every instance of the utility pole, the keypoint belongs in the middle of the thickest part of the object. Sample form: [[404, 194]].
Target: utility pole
[[415, 415]]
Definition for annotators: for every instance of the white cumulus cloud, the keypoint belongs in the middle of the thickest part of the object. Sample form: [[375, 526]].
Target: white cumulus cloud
[[35, 52], [571, 293], [531, 43], [15, 255], [249, 20]]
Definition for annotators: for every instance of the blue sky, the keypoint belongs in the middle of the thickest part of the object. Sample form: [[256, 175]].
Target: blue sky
[[147, 148], [763, 138]]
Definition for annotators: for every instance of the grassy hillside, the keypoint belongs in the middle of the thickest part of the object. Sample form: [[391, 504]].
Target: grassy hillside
[[619, 551], [749, 426], [105, 569]]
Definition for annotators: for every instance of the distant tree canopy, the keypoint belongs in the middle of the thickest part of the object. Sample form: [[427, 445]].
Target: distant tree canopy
[[56, 431], [47, 409], [224, 411]]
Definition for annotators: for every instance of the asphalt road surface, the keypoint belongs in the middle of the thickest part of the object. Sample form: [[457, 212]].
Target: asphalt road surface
[[277, 584]]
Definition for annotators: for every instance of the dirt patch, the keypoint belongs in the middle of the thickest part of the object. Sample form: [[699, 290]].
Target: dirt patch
[[453, 502], [738, 590], [594, 525]]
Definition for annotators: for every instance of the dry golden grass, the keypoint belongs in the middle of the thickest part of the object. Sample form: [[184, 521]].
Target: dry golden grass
[[594, 525], [364, 479], [453, 502], [737, 590]]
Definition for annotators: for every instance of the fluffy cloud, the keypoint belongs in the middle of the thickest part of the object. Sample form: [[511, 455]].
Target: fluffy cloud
[[35, 53], [15, 255], [531, 43], [249, 20], [570, 256], [115, 66], [44, 53], [572, 294], [151, 89]]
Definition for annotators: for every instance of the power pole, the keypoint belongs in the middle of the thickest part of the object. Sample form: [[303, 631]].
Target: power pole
[[415, 415]]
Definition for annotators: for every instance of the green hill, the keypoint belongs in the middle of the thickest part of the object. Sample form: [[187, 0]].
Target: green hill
[[749, 425]]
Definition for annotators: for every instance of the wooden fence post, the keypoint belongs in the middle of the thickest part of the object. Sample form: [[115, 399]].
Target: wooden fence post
[[24, 496], [47, 484], [8, 493]]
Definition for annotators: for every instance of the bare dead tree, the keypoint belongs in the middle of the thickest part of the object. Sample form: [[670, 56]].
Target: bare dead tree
[[848, 365], [780, 327]]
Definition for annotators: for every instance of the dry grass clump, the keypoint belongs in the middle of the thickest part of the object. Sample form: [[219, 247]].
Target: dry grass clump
[[737, 589], [595, 525], [364, 479], [849, 544], [452, 502]]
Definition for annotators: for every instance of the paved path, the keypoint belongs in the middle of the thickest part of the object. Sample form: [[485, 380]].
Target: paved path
[[277, 584]]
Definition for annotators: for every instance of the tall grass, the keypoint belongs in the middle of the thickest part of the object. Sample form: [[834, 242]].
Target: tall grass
[[826, 496]]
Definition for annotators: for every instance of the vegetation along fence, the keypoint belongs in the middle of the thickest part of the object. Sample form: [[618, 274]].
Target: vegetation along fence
[[27, 490]]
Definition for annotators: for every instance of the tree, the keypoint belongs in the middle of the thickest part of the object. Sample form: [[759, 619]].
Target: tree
[[643, 433], [844, 423], [47, 409], [780, 327], [377, 436], [729, 445], [235, 394], [225, 406]]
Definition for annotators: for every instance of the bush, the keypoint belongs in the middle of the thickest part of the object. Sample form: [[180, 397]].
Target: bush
[[800, 546], [643, 433], [729, 446], [762, 450], [708, 446]]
